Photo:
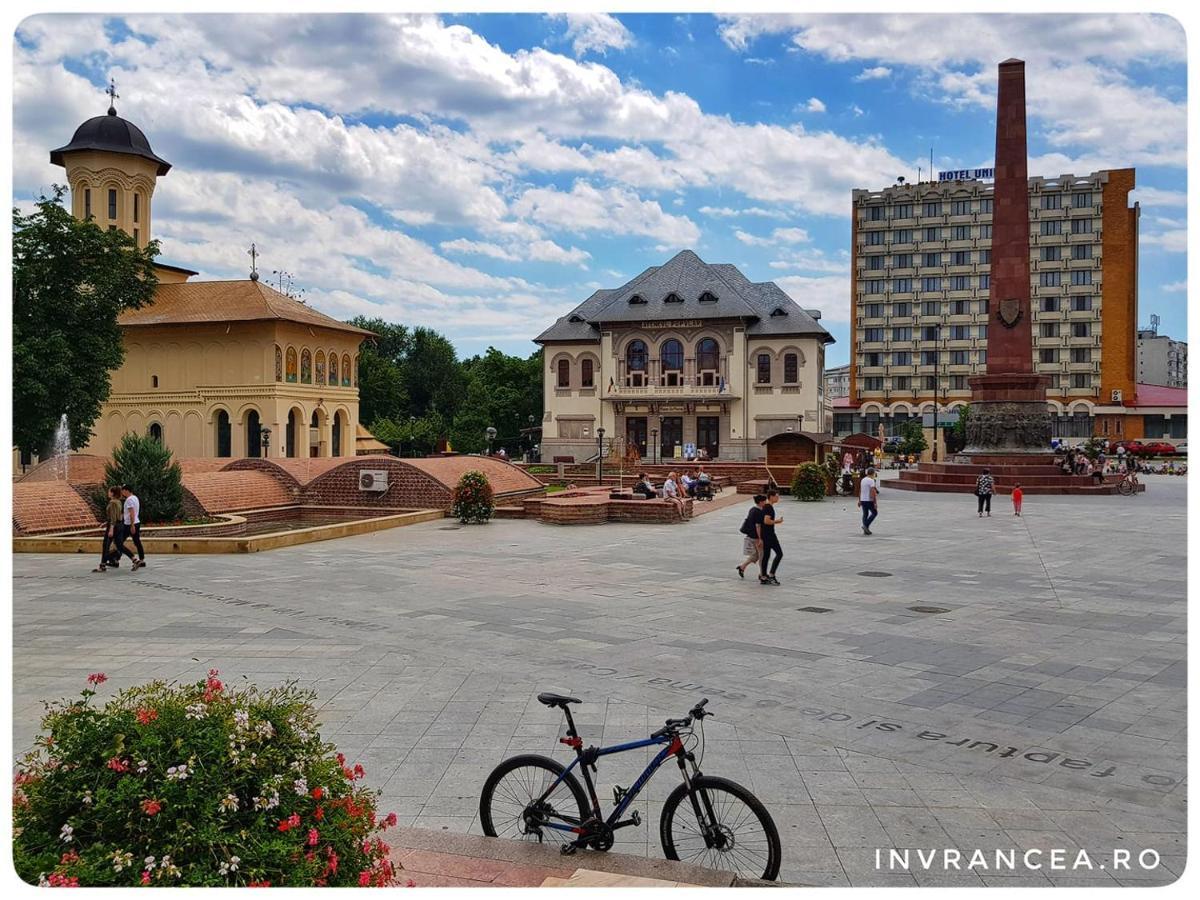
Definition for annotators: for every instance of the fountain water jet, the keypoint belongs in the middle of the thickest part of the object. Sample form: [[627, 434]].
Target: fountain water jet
[[62, 447]]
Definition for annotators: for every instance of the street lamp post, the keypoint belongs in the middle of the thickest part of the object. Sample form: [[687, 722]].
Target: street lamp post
[[265, 435], [654, 445], [600, 456], [491, 436]]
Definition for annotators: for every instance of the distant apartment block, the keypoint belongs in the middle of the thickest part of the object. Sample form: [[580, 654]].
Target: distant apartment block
[[1161, 360]]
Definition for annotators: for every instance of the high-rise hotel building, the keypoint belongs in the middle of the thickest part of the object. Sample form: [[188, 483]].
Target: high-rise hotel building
[[919, 294]]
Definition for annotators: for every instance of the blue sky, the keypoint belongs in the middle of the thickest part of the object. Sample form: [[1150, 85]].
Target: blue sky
[[482, 174]]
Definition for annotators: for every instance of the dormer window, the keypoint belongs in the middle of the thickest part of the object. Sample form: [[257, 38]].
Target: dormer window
[[672, 298], [636, 298], [778, 311], [575, 319], [708, 297]]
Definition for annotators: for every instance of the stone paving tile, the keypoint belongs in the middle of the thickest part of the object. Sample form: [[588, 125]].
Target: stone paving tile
[[869, 714]]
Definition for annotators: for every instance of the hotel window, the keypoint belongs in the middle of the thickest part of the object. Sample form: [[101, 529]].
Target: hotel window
[[873, 383], [958, 358], [933, 209], [898, 334], [1081, 380], [931, 383], [875, 287], [874, 263], [1052, 254], [932, 259], [960, 233], [961, 308], [902, 236], [1081, 329], [587, 378], [960, 207], [1048, 355], [931, 234], [112, 203], [931, 308], [1082, 276], [985, 205], [1081, 354], [1049, 329], [1051, 201], [1081, 304], [871, 335], [902, 261], [136, 206], [931, 284], [902, 286], [958, 283], [902, 309], [791, 368], [960, 332], [930, 332], [874, 213], [958, 382], [874, 310], [981, 332], [985, 256], [1081, 251], [960, 258], [1083, 198], [87, 203], [564, 373], [984, 282], [872, 359], [985, 231], [1049, 304], [1051, 226], [900, 382], [1081, 226], [1050, 279], [903, 211], [901, 358], [874, 238]]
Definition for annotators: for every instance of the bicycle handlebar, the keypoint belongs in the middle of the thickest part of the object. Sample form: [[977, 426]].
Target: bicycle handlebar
[[697, 712]]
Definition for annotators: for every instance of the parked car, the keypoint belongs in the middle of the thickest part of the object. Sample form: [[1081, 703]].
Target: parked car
[[1130, 447], [1158, 448], [1181, 448]]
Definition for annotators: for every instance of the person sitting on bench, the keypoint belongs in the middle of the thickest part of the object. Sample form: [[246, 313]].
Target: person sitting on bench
[[644, 487]]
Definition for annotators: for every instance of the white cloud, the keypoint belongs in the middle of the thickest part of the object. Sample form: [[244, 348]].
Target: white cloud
[[613, 210], [814, 105], [1175, 287], [873, 73], [1171, 239], [1151, 197], [758, 61], [726, 212], [482, 248], [828, 293], [595, 32], [548, 251], [778, 236], [856, 110]]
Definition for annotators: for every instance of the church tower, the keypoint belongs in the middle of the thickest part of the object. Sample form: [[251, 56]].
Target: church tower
[[112, 173]]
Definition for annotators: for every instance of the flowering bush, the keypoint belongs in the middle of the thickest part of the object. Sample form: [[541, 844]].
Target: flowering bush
[[193, 785], [809, 482], [473, 499]]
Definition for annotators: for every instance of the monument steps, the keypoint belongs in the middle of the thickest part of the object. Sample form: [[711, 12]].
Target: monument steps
[[1072, 487]]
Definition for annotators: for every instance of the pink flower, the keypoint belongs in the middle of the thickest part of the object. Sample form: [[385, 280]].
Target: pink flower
[[57, 880], [313, 837], [359, 772], [146, 716], [317, 793], [97, 678], [389, 821], [151, 807], [145, 876], [259, 884], [364, 878], [118, 765]]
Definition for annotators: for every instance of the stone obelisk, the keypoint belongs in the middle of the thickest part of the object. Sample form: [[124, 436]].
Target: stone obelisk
[[1008, 404]]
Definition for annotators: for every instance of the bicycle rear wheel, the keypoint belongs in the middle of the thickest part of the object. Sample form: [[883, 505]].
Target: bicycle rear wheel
[[1125, 487], [510, 805], [742, 836]]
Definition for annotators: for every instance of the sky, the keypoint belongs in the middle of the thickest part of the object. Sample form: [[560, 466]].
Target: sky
[[483, 174]]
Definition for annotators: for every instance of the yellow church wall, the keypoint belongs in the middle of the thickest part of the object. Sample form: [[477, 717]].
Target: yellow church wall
[[98, 171]]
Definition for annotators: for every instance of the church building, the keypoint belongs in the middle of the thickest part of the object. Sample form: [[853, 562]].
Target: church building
[[685, 356], [212, 368]]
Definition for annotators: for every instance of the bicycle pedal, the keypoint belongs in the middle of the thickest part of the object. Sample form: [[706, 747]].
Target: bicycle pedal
[[567, 849]]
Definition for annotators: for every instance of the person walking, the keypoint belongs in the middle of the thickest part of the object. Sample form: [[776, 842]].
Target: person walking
[[770, 541], [751, 531], [110, 556], [1017, 496], [868, 499], [985, 486], [131, 515]]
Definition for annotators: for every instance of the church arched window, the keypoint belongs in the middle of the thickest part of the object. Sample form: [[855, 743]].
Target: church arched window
[[305, 366], [345, 370], [333, 368], [320, 367], [291, 365], [278, 363]]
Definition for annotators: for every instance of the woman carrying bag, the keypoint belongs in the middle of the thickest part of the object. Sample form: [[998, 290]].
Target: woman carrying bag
[[984, 488]]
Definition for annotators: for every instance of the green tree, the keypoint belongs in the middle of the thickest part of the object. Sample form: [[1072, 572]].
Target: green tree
[[145, 465], [433, 376], [71, 279], [913, 438], [381, 391], [956, 439]]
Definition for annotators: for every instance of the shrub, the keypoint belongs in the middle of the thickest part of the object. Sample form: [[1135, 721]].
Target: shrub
[[809, 481], [913, 438], [145, 465], [193, 785], [473, 498]]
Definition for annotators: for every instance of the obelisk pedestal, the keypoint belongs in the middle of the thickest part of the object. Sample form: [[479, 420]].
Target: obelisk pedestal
[[1008, 404]]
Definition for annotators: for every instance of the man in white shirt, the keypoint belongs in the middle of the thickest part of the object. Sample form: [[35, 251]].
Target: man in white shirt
[[868, 499], [132, 520]]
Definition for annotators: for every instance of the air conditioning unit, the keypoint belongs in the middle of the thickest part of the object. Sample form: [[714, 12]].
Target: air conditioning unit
[[1117, 395], [373, 480]]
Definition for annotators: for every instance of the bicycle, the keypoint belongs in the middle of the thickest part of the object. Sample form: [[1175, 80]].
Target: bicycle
[[722, 825], [1128, 484]]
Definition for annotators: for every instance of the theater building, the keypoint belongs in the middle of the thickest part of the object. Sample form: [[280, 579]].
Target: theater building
[[685, 354]]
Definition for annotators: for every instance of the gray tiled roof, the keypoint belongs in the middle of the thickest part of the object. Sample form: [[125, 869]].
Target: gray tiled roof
[[764, 306]]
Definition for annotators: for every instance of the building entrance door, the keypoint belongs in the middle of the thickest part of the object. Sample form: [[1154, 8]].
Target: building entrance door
[[635, 433], [708, 435], [672, 435]]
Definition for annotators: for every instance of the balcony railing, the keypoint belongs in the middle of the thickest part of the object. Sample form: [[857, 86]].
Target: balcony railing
[[679, 392]]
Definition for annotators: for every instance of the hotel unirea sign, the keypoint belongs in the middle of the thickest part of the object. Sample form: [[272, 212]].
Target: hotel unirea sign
[[966, 174]]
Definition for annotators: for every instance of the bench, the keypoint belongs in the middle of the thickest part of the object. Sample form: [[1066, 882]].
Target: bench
[[565, 459]]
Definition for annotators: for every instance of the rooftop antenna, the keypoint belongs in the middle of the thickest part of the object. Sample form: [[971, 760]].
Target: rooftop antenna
[[1154, 320], [112, 96], [253, 252]]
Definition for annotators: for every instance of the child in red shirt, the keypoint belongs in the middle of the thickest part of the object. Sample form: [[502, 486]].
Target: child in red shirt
[[1017, 497]]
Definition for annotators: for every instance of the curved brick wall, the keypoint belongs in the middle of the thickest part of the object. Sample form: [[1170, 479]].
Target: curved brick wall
[[408, 486], [230, 491], [505, 478], [82, 468], [49, 506]]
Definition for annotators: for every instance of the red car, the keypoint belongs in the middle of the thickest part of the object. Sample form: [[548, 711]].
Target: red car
[[1158, 448], [1130, 447]]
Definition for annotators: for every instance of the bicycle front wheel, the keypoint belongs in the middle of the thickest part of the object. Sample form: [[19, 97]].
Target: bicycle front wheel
[[737, 833], [514, 803], [1125, 487]]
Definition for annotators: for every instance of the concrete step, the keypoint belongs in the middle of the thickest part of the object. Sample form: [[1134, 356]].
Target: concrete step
[[937, 487], [1000, 480]]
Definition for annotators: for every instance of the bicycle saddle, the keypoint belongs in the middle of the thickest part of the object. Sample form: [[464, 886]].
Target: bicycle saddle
[[557, 699]]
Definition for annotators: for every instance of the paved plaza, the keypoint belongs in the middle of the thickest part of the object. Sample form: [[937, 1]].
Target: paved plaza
[[1035, 700]]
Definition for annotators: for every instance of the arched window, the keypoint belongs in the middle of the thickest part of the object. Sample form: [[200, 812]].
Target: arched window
[[293, 425], [635, 356], [305, 367], [291, 364], [339, 423], [345, 370], [333, 368], [764, 368], [253, 434], [153, 381], [320, 367], [156, 431], [278, 363], [224, 437], [672, 356], [564, 373], [791, 368], [587, 376], [708, 361]]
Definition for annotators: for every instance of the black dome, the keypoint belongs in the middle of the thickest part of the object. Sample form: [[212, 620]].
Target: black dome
[[113, 134]]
